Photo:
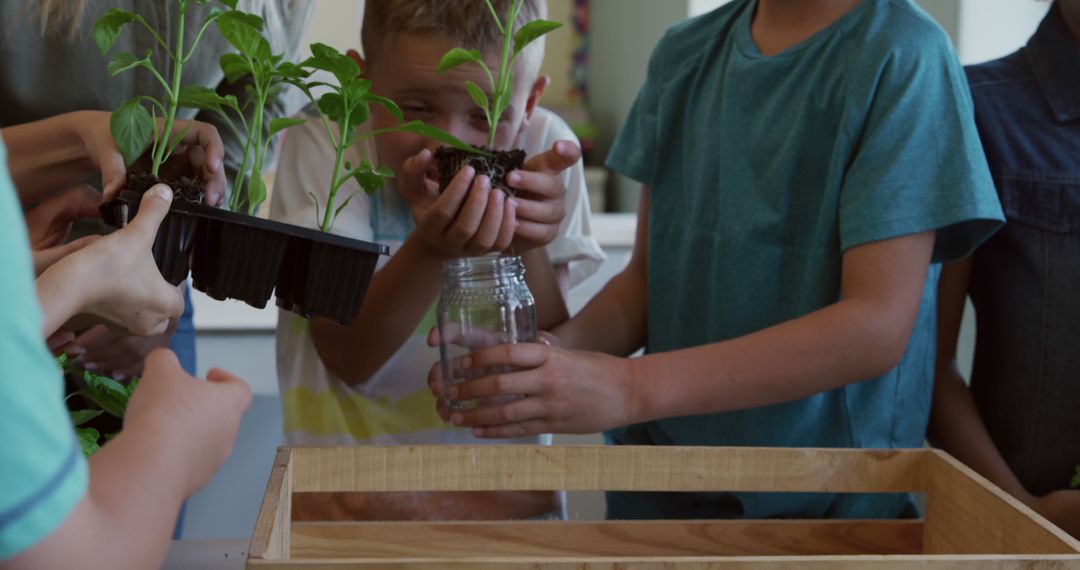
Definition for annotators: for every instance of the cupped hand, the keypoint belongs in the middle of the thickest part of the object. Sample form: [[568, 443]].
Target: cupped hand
[[205, 416]]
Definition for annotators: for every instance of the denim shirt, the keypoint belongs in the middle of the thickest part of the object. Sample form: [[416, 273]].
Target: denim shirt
[[1026, 376]]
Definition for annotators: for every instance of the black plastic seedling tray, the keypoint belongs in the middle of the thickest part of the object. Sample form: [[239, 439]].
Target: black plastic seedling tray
[[237, 256]]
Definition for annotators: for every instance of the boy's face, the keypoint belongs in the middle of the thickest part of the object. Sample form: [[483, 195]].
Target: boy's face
[[406, 71]]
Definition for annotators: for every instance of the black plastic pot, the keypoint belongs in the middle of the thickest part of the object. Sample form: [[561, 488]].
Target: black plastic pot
[[236, 256]]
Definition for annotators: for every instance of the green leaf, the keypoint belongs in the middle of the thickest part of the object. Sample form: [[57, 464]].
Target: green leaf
[[458, 56], [281, 123], [332, 106], [111, 395], [130, 386], [529, 32], [122, 62], [132, 128], [290, 70], [434, 133], [329, 59], [256, 193], [88, 439], [108, 28], [384, 171], [239, 32], [82, 416], [230, 3], [234, 66], [203, 98], [369, 181], [478, 95], [1076, 478], [388, 104]]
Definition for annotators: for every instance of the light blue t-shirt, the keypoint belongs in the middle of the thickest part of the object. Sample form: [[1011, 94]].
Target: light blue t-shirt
[[42, 470], [764, 171]]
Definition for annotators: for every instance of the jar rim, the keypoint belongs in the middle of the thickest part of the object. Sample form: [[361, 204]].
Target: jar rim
[[481, 267]]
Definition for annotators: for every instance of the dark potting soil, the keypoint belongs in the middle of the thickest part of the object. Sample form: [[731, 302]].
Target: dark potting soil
[[450, 160], [184, 188]]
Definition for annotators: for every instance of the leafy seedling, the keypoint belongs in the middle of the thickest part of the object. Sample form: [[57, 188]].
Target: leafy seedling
[[134, 125], [269, 74], [108, 395], [501, 81], [347, 103]]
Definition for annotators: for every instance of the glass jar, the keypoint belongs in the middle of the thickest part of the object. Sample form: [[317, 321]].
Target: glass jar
[[484, 303]]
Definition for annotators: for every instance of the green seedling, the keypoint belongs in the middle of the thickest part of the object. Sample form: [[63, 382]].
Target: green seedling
[[269, 74], [501, 81], [108, 395], [135, 124], [347, 103]]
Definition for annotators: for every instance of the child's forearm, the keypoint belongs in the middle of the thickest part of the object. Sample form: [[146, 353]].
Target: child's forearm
[[46, 155], [59, 295], [957, 427], [862, 336], [543, 281], [399, 296], [123, 521], [613, 322]]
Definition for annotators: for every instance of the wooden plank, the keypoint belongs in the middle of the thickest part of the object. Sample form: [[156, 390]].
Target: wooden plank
[[914, 562], [557, 539], [599, 468], [966, 514], [270, 540]]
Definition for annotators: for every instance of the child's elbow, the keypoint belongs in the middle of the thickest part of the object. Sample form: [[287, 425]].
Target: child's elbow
[[890, 338]]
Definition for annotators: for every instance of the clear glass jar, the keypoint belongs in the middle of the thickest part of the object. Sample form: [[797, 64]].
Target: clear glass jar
[[484, 303]]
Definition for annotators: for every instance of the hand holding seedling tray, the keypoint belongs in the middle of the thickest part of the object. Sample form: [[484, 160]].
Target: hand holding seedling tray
[[230, 254], [495, 164]]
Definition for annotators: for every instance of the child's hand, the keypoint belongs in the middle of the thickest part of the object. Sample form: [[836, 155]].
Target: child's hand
[[563, 391], [541, 195], [469, 218], [204, 416], [200, 153], [122, 285]]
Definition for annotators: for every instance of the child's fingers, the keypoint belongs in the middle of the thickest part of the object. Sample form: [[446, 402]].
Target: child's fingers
[[236, 386], [445, 209], [522, 410], [539, 186], [532, 427], [513, 383], [562, 155], [488, 231], [414, 184], [533, 232], [544, 212], [472, 212], [509, 226]]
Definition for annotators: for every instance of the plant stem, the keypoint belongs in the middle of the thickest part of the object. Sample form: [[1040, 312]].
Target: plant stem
[[339, 147], [173, 94], [504, 73], [260, 148]]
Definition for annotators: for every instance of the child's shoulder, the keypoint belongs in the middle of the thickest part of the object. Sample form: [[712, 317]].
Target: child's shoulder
[[898, 29], [686, 39]]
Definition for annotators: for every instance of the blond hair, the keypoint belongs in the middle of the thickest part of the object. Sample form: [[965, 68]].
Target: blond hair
[[468, 23], [62, 17]]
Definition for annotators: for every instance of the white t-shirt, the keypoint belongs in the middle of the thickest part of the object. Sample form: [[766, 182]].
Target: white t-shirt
[[395, 405]]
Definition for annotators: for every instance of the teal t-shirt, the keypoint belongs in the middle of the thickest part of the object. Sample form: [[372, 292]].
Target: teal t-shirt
[[763, 172], [42, 470]]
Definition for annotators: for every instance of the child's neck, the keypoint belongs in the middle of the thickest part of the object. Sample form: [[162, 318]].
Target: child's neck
[[780, 24]]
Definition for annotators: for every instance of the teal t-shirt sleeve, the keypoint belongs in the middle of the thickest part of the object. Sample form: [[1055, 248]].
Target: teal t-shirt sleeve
[[42, 470], [634, 151], [919, 165]]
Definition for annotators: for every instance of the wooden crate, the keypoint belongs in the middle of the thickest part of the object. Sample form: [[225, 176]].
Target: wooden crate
[[969, 523]]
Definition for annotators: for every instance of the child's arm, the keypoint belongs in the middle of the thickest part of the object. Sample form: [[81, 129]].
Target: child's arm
[[955, 423], [58, 152], [177, 432], [468, 218], [859, 337]]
